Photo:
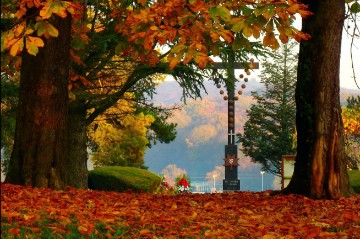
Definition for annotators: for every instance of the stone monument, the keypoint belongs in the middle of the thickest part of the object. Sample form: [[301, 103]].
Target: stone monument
[[232, 181]]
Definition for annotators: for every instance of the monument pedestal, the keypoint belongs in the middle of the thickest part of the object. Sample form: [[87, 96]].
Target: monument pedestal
[[231, 185], [231, 182]]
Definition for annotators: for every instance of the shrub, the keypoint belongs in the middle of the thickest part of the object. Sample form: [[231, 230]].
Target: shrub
[[120, 179]]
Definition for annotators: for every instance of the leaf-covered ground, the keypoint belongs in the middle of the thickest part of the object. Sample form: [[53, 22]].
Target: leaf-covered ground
[[33, 213]]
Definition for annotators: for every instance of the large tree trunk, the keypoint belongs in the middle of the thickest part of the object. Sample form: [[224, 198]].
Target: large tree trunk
[[39, 155], [77, 153], [320, 168]]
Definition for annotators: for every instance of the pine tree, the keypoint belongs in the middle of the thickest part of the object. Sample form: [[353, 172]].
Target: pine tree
[[268, 133]]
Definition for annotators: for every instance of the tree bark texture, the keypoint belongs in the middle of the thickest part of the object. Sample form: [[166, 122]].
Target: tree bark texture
[[77, 150], [320, 167], [40, 143]]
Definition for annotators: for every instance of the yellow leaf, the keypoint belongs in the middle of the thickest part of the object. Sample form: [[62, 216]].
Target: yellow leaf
[[202, 59], [46, 11], [28, 32], [17, 47], [188, 58], [19, 29], [227, 35], [32, 44], [193, 216], [247, 31], [36, 41], [174, 61], [154, 28], [59, 9], [269, 236], [51, 30]]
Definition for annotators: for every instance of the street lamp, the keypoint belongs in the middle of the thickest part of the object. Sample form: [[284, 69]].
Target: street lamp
[[262, 180], [214, 176]]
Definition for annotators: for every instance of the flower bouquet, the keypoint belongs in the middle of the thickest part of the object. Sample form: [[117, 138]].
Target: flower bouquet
[[183, 184]]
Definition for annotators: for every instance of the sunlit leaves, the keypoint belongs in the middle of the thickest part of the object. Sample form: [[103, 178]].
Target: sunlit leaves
[[220, 12], [33, 44], [202, 26], [53, 7], [193, 23], [46, 29], [13, 38], [17, 47]]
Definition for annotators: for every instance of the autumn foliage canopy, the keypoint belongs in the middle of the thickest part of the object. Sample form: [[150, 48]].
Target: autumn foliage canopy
[[193, 29]]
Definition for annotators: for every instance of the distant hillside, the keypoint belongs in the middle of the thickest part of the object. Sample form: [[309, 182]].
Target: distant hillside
[[202, 133]]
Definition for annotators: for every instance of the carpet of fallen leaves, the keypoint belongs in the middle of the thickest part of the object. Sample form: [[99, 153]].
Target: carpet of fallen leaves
[[220, 215]]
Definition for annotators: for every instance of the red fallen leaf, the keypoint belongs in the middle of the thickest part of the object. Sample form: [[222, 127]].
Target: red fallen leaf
[[350, 216], [15, 231], [312, 232]]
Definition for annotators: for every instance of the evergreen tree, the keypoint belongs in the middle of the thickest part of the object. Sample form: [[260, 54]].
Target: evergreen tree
[[268, 133]]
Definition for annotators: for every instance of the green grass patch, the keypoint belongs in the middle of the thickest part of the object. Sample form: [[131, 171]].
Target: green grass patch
[[71, 233], [121, 179], [354, 176]]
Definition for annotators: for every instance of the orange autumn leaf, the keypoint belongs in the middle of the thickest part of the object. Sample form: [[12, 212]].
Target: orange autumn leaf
[[83, 230], [17, 47], [144, 232], [19, 29], [20, 13]]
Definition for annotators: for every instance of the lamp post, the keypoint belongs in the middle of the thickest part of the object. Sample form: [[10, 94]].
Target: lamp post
[[214, 176], [262, 180]]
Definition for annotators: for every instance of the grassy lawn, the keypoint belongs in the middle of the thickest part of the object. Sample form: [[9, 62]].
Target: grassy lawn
[[355, 180]]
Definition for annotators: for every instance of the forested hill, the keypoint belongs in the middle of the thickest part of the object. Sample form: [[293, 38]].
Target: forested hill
[[202, 131]]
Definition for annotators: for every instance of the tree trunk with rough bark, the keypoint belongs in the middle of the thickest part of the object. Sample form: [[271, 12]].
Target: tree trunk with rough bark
[[320, 168], [40, 143], [77, 149]]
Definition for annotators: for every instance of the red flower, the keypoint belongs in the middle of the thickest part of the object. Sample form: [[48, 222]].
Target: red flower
[[183, 182]]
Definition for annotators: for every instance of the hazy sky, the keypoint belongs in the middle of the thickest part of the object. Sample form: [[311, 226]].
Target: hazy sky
[[346, 72]]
